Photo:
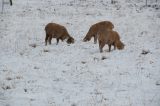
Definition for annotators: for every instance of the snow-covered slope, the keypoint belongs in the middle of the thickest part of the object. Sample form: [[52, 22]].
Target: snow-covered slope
[[78, 74]]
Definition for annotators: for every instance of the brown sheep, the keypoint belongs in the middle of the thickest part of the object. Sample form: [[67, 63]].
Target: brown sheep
[[110, 38], [94, 29], [57, 31]]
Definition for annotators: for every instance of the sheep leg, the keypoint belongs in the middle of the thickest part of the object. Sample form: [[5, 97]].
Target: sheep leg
[[101, 45], [114, 46], [109, 45], [57, 41], [11, 2], [46, 39], [50, 38], [95, 39]]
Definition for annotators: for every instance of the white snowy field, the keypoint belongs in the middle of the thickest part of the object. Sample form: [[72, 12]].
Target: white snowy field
[[78, 74]]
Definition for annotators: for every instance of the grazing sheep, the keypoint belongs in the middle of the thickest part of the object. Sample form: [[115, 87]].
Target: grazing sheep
[[57, 31], [110, 38], [94, 29]]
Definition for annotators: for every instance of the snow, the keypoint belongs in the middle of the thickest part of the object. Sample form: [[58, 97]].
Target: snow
[[78, 74]]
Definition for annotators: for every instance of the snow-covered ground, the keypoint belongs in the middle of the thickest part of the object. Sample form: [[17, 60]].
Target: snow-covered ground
[[78, 74]]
